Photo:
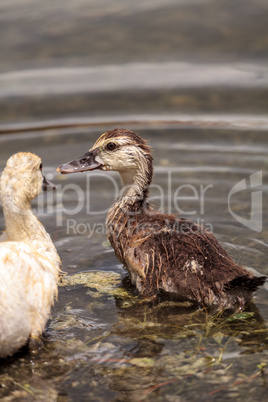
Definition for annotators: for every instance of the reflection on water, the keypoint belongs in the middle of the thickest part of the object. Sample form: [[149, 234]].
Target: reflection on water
[[191, 77]]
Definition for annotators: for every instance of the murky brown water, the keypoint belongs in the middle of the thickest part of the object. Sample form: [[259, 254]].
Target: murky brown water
[[191, 78]]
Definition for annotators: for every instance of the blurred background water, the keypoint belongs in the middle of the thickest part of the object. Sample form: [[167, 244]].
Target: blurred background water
[[111, 59], [191, 76]]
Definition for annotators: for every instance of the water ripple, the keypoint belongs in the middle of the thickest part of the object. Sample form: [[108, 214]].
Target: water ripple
[[132, 76], [208, 121]]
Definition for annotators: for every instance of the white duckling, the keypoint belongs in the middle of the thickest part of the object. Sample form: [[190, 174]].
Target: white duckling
[[29, 262]]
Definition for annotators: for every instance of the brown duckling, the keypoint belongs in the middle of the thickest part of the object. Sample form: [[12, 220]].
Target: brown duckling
[[162, 252]]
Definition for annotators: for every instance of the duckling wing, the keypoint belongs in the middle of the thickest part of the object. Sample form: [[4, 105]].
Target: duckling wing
[[183, 258]]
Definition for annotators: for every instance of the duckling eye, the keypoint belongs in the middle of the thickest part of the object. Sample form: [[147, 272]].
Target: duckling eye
[[111, 146], [41, 166]]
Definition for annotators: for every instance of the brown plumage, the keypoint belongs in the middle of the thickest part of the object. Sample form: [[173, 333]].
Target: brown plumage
[[161, 252]]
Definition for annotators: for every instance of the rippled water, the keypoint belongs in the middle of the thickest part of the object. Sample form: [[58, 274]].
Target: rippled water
[[191, 77]]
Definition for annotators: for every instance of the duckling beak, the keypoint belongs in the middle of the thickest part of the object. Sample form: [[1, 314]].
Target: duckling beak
[[82, 164], [47, 185]]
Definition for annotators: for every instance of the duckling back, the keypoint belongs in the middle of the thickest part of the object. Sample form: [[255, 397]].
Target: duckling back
[[27, 292]]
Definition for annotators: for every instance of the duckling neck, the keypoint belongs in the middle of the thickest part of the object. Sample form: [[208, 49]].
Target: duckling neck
[[128, 206], [135, 187], [22, 224], [132, 199]]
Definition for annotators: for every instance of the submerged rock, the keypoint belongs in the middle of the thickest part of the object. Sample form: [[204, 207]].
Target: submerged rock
[[104, 282]]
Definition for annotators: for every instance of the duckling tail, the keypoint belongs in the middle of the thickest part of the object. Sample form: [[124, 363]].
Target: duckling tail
[[246, 282]]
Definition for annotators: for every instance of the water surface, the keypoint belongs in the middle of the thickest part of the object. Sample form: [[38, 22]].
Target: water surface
[[191, 77]]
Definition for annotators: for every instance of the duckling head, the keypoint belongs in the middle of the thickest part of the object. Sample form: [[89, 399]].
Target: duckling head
[[118, 150], [22, 179]]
